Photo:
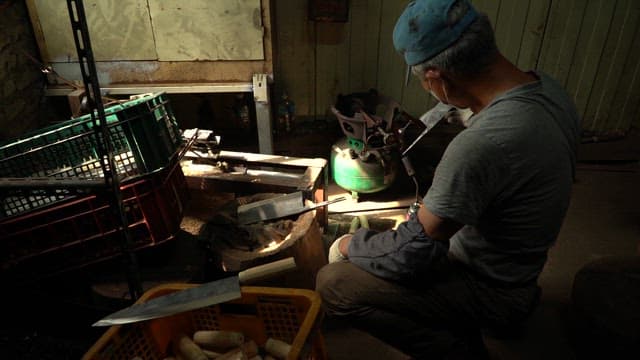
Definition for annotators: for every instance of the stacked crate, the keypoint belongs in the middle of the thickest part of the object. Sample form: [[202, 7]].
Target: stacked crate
[[62, 219]]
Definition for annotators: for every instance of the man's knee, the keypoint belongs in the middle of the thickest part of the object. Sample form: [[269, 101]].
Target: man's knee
[[335, 284], [330, 279]]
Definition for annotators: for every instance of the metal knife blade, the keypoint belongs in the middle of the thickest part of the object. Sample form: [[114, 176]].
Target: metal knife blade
[[207, 294], [278, 207], [211, 293]]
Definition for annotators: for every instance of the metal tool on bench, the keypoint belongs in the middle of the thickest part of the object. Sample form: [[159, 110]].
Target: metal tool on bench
[[277, 207], [207, 294]]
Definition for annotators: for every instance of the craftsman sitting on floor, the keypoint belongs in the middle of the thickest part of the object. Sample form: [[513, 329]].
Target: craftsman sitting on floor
[[472, 256]]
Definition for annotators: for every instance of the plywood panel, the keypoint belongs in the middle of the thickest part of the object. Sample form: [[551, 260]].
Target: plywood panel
[[143, 73], [295, 58], [589, 51], [132, 69], [207, 30], [149, 72], [609, 83], [119, 30]]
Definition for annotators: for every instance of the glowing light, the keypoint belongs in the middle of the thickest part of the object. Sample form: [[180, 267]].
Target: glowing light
[[271, 246]]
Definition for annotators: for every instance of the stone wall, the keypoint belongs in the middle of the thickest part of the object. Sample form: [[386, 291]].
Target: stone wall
[[21, 82]]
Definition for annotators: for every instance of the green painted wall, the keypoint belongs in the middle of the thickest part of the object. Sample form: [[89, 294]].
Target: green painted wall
[[591, 46]]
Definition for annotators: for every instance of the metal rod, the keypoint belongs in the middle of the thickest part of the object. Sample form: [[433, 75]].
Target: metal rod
[[169, 88], [103, 143], [54, 183]]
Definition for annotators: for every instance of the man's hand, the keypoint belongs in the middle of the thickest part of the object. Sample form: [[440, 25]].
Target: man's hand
[[339, 250]]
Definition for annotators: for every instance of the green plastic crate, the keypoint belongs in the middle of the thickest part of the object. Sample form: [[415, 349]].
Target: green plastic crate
[[145, 138], [144, 134]]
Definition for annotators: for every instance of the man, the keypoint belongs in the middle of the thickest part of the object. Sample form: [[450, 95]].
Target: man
[[471, 256]]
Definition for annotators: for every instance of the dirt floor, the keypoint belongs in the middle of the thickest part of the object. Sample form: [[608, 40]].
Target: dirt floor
[[52, 318]]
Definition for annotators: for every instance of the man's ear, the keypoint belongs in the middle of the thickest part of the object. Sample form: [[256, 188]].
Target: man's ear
[[433, 74]]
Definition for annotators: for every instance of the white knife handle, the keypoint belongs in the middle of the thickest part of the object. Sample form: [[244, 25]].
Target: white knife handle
[[266, 270]]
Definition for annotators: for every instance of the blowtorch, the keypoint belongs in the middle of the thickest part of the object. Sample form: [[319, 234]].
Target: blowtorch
[[430, 119]]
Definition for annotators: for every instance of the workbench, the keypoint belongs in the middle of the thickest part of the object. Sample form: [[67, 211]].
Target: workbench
[[250, 173], [216, 178]]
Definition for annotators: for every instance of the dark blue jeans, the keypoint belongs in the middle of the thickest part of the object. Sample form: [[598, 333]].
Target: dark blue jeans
[[438, 318]]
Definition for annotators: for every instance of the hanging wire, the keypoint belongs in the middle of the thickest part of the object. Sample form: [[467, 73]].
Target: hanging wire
[[48, 70]]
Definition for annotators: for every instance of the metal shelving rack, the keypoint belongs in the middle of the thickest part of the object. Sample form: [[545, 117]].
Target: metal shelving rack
[[104, 147]]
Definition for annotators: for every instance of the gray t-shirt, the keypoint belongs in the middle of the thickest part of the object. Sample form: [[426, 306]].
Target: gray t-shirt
[[507, 178]]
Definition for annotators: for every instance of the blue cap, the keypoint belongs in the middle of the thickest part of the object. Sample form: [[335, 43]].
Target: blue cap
[[422, 31]]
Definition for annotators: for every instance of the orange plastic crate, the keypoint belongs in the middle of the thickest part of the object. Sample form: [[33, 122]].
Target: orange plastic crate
[[290, 315]]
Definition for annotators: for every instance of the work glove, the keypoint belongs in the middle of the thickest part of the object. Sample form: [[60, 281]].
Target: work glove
[[334, 251]]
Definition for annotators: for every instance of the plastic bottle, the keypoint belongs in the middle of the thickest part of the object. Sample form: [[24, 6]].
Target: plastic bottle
[[286, 112], [241, 109]]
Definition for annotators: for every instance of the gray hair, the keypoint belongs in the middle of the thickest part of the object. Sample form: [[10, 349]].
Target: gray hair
[[471, 53]]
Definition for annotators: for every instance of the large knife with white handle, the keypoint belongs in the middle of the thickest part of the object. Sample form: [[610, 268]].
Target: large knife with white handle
[[207, 294]]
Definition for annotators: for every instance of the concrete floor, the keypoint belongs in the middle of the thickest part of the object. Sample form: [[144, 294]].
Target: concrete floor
[[603, 220]]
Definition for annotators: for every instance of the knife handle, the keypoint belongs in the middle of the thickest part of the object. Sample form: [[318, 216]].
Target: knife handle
[[266, 270]]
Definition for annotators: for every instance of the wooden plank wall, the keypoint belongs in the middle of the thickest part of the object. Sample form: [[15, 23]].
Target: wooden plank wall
[[591, 46]]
